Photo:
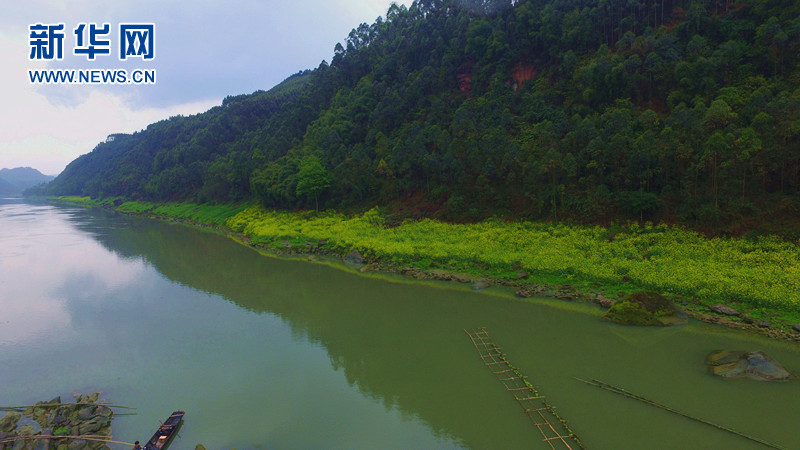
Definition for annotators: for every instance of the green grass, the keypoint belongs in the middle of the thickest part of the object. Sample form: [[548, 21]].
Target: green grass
[[202, 213], [671, 260]]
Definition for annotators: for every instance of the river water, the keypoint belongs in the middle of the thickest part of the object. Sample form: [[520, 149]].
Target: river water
[[271, 353]]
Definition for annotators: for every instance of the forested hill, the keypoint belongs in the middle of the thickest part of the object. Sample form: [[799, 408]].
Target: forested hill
[[592, 110]]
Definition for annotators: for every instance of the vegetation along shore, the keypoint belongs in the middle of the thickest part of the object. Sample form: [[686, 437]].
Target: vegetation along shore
[[740, 282]]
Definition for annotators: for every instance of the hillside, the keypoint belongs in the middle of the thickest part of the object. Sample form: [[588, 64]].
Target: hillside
[[595, 111], [14, 181]]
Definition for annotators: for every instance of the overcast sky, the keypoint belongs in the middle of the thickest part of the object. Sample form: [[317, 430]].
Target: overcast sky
[[204, 51]]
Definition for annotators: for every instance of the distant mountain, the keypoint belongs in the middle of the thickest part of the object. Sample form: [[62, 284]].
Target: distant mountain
[[14, 181], [7, 188]]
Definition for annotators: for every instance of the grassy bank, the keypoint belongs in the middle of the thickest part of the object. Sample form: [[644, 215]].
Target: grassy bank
[[758, 277]]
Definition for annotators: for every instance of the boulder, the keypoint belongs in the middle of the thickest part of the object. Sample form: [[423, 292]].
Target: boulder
[[604, 301], [9, 422], [91, 426], [755, 365], [646, 308], [629, 313], [86, 413], [461, 278], [78, 444], [796, 327], [719, 308], [26, 430], [104, 411]]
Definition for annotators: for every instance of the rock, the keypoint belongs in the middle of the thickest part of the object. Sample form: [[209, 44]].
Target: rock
[[755, 365], [719, 308], [604, 301], [93, 425], [77, 444], [199, 447], [441, 275], [9, 422], [59, 420], [629, 313], [480, 285], [461, 278], [646, 308], [522, 275], [419, 275], [796, 327], [86, 413], [524, 293], [354, 257], [764, 324]]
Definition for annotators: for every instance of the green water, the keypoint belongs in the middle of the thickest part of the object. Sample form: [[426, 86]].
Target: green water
[[270, 353]]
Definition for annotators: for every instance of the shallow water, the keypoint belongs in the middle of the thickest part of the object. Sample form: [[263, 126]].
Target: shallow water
[[270, 353]]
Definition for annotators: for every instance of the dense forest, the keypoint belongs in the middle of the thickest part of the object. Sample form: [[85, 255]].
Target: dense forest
[[682, 111]]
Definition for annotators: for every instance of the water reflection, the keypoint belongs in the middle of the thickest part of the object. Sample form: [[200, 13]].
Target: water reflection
[[38, 255]]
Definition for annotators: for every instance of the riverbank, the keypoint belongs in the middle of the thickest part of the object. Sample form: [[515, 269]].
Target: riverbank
[[750, 284]]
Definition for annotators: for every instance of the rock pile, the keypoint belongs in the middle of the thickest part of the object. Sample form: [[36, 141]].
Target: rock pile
[[83, 424]]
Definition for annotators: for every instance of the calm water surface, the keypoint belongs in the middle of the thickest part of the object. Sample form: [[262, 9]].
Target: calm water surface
[[269, 353]]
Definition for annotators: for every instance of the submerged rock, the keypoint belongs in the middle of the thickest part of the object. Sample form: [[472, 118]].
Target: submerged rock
[[755, 365], [354, 257], [646, 308], [480, 285]]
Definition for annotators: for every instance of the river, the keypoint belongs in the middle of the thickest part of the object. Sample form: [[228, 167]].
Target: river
[[272, 353]]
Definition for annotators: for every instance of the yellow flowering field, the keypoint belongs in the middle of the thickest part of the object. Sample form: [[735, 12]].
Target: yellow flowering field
[[765, 272]]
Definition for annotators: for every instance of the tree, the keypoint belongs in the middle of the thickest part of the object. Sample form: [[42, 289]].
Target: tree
[[312, 178]]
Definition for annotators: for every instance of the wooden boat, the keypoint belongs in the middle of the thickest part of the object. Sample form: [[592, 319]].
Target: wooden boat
[[165, 432]]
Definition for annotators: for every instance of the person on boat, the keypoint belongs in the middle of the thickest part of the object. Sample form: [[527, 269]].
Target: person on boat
[[136, 446]]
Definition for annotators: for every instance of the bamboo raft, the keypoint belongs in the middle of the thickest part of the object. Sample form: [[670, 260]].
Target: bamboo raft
[[553, 428]]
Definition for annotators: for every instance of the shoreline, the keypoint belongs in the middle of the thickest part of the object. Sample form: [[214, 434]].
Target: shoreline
[[518, 279]]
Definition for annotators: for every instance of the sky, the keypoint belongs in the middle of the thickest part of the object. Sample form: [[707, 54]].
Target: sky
[[203, 51]]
